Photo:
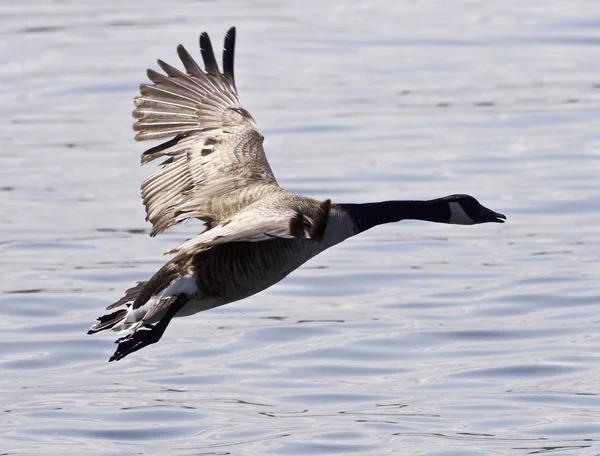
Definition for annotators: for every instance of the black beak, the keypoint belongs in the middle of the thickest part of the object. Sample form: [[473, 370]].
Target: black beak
[[491, 216]]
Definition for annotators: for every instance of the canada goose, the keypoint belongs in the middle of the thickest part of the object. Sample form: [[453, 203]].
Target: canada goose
[[216, 171]]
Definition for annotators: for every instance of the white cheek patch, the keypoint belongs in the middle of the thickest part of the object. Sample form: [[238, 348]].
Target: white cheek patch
[[458, 216]]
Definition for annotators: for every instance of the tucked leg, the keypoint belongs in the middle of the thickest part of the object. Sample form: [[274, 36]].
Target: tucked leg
[[148, 334]]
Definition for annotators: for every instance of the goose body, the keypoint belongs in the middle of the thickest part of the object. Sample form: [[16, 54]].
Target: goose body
[[215, 170]]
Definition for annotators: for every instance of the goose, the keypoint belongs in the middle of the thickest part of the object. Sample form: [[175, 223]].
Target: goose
[[215, 170]]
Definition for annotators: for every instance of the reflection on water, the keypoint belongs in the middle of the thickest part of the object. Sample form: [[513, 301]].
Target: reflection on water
[[408, 339]]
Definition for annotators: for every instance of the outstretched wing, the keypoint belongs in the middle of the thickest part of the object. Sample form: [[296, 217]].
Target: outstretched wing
[[215, 162], [262, 224]]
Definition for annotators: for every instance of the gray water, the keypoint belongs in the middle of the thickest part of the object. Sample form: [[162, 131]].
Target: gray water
[[412, 338]]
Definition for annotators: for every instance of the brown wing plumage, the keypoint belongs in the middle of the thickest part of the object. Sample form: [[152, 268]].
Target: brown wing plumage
[[263, 223], [215, 163]]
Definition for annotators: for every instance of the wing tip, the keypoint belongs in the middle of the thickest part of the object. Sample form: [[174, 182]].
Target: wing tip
[[229, 55], [181, 50], [230, 35]]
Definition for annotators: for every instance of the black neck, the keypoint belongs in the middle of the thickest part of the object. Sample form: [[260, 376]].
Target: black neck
[[368, 215]]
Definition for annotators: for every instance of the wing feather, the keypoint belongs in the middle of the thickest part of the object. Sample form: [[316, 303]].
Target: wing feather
[[262, 223], [208, 55], [189, 63], [228, 52], [216, 163]]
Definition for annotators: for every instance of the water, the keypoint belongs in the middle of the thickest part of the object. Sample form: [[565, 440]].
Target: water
[[409, 339]]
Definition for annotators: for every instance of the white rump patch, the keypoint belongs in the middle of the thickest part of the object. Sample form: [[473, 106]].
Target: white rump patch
[[133, 320], [183, 285], [458, 216]]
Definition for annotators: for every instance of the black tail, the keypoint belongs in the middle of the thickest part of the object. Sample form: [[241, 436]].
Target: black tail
[[107, 321]]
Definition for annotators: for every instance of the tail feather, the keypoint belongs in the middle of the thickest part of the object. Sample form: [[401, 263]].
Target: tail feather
[[150, 305], [108, 321], [130, 295]]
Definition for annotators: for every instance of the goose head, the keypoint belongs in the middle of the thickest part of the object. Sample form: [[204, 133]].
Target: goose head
[[466, 210]]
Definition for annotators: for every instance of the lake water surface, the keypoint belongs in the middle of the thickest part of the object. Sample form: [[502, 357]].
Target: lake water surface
[[412, 338]]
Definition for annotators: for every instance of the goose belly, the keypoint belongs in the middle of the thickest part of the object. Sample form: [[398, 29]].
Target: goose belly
[[235, 271], [199, 304]]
